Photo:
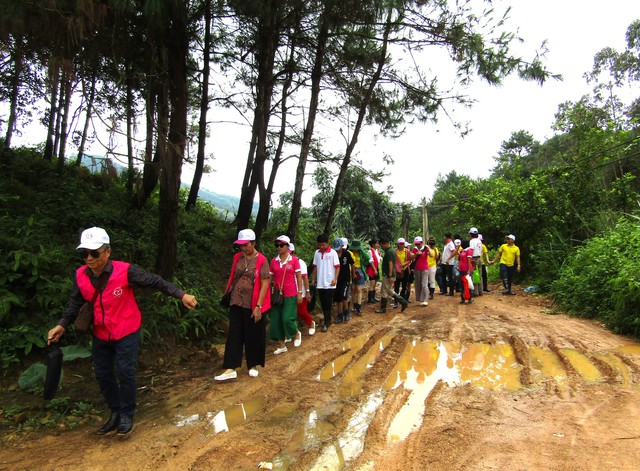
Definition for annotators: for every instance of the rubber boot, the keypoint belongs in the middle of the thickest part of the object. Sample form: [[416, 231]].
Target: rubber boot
[[370, 297], [431, 292], [383, 306], [340, 318], [358, 309], [400, 300], [346, 316]]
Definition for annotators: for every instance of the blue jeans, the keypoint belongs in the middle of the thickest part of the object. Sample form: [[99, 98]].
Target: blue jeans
[[115, 367], [506, 273]]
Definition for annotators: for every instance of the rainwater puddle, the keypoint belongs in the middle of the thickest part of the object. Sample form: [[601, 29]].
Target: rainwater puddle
[[335, 367], [545, 364], [232, 416], [631, 349], [351, 384], [582, 365], [350, 443], [622, 370], [423, 365]]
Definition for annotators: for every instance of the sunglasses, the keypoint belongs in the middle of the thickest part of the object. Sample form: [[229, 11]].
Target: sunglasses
[[84, 253], [279, 246]]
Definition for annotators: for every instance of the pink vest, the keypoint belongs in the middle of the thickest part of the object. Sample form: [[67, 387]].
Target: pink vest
[[257, 282], [115, 312]]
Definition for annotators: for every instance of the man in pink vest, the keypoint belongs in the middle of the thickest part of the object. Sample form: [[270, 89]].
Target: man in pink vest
[[116, 322]]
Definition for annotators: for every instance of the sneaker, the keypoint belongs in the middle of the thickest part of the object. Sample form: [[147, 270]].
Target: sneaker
[[253, 372], [312, 329], [486, 290], [462, 301], [287, 340], [340, 319], [125, 425], [280, 350], [449, 294], [110, 425], [506, 291], [471, 301], [511, 293], [424, 303], [324, 328], [298, 340], [225, 376]]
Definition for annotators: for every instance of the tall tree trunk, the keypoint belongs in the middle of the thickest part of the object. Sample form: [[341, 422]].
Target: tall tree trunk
[[305, 147], [63, 128], [266, 43], [177, 49], [204, 107], [15, 91], [362, 111], [53, 114], [87, 120], [265, 193], [130, 119], [157, 116]]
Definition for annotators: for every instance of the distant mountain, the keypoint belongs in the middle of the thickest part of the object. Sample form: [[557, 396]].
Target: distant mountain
[[226, 205]]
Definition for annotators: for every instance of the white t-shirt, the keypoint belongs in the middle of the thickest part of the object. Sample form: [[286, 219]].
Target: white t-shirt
[[325, 264], [303, 272], [476, 245], [446, 253]]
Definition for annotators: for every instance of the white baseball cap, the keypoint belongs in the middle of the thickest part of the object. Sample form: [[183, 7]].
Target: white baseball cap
[[244, 236], [417, 239], [292, 247], [511, 236], [93, 238], [473, 230], [345, 242], [283, 238], [401, 241]]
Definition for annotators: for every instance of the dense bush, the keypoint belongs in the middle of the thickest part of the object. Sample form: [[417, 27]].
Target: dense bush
[[601, 281], [42, 213]]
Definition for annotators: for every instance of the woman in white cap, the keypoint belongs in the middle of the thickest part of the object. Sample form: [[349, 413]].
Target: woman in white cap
[[108, 286], [285, 276], [250, 299], [509, 255]]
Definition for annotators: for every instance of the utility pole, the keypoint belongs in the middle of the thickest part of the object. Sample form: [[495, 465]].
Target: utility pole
[[425, 218]]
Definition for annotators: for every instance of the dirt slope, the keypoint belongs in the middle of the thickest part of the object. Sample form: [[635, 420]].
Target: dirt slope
[[499, 384]]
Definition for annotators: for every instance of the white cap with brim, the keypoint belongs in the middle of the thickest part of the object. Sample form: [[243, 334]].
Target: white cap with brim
[[512, 237], [93, 238], [244, 236]]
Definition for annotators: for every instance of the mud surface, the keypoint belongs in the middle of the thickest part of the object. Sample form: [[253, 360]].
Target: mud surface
[[500, 384]]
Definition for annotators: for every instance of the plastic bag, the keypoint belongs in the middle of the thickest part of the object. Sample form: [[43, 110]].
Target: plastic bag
[[469, 281]]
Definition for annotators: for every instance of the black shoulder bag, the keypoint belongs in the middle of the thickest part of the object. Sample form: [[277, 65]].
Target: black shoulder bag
[[85, 314]]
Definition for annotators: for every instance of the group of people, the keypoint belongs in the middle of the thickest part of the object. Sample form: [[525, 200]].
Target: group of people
[[283, 287]]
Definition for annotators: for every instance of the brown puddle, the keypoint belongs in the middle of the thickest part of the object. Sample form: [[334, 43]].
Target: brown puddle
[[351, 384], [233, 416], [582, 365], [618, 366], [545, 364], [630, 349], [335, 367]]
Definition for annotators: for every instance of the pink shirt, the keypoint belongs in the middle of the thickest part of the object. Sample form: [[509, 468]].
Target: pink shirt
[[465, 261], [277, 271], [422, 262]]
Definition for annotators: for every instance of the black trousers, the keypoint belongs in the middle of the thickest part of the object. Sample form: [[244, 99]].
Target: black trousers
[[401, 284], [326, 301], [448, 278], [244, 334]]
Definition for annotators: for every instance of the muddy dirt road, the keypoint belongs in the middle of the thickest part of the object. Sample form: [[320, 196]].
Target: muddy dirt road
[[499, 384]]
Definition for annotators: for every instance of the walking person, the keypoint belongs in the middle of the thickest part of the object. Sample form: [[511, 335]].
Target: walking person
[[485, 274], [476, 245], [447, 264], [361, 261], [421, 255], [509, 256], [284, 271], [108, 285], [303, 307], [326, 268], [343, 286], [388, 274], [248, 286], [402, 262], [434, 261], [465, 266], [373, 270]]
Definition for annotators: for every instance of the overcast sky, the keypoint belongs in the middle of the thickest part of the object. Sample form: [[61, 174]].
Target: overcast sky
[[575, 31]]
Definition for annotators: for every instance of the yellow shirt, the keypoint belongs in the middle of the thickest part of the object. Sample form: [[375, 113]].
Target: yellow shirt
[[432, 260], [356, 259], [509, 254]]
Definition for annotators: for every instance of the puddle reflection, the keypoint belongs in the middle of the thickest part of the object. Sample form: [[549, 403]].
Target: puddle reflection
[[233, 416], [582, 365], [335, 367]]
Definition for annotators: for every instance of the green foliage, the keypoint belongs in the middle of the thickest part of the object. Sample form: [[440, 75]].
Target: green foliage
[[41, 225], [601, 281]]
